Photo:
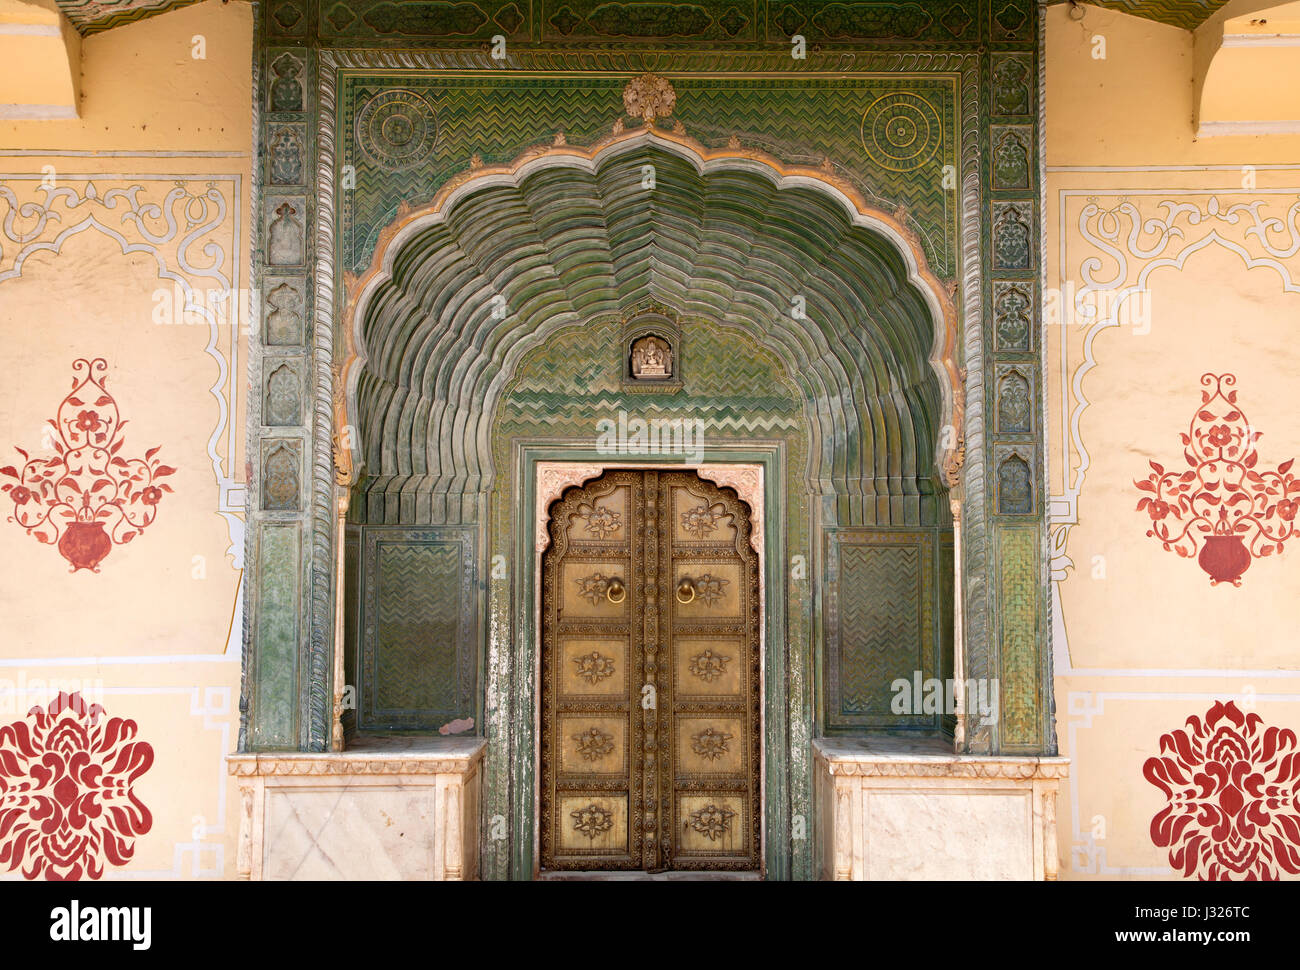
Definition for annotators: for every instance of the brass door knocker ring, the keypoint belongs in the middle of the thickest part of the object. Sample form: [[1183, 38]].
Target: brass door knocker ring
[[616, 592], [686, 590]]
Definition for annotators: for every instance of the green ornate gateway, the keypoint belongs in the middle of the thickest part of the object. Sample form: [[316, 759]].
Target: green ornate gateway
[[470, 212]]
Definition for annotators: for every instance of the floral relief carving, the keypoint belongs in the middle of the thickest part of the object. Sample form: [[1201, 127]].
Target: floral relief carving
[[67, 801], [594, 667], [1221, 506], [594, 744], [710, 743], [593, 588], [709, 588], [702, 520], [708, 666], [592, 820], [600, 521], [1011, 246], [87, 497], [1232, 786], [712, 820]]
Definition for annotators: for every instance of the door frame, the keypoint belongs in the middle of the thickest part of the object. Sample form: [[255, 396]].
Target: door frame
[[525, 740]]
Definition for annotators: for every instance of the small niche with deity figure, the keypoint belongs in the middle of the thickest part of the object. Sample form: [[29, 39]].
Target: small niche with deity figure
[[652, 359], [652, 351]]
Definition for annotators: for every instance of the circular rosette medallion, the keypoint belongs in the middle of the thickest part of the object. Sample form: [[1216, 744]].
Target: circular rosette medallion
[[901, 131], [397, 129]]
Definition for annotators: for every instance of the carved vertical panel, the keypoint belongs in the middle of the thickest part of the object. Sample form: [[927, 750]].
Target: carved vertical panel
[[275, 706], [280, 416], [1017, 584]]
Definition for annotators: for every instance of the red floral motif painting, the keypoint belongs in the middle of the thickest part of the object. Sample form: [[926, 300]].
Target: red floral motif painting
[[66, 798], [1232, 787], [87, 498], [1222, 507]]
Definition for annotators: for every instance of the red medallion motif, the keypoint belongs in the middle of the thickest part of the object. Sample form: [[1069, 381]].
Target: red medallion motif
[[87, 497], [66, 802], [1222, 507], [1232, 787]]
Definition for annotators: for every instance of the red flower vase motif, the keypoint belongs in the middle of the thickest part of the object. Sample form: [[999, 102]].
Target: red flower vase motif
[[87, 498], [1222, 506], [1225, 558]]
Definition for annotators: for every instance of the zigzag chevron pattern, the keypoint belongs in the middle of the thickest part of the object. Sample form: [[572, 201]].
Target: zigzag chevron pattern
[[1188, 14], [498, 118], [415, 670], [880, 629], [94, 16]]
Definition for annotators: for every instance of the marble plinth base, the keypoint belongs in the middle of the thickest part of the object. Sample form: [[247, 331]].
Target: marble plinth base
[[891, 809], [388, 809]]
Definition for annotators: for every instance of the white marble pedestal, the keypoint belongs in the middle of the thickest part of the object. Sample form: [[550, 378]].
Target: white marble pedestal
[[899, 809], [391, 808]]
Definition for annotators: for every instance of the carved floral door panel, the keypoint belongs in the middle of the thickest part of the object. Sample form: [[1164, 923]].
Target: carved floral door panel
[[650, 677]]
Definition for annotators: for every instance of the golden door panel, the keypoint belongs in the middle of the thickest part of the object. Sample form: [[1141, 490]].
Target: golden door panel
[[710, 744], [697, 520], [593, 665], [592, 744], [649, 694], [707, 590], [713, 824], [594, 824], [709, 666], [594, 589], [601, 519]]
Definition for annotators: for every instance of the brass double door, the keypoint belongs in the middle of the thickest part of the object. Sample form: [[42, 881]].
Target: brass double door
[[650, 743]]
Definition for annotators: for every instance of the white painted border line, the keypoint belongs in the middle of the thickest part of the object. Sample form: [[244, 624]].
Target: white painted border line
[[1221, 129], [82, 153], [1261, 40], [37, 112]]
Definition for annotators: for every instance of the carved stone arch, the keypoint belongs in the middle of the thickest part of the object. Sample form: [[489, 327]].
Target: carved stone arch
[[425, 361]]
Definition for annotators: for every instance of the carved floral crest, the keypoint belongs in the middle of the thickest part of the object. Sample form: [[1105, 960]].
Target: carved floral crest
[[649, 97]]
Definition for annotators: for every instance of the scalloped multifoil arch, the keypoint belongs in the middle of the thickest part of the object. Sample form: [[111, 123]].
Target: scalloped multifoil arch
[[567, 234]]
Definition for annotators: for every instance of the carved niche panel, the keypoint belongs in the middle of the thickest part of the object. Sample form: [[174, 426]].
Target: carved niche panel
[[283, 313], [283, 403], [1013, 314], [1012, 237], [281, 470]]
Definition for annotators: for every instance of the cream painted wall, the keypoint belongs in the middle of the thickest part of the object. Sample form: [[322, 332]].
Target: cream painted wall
[[1137, 205], [102, 220]]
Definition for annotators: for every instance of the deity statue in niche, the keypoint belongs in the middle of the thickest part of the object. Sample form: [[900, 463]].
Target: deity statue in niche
[[652, 359]]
